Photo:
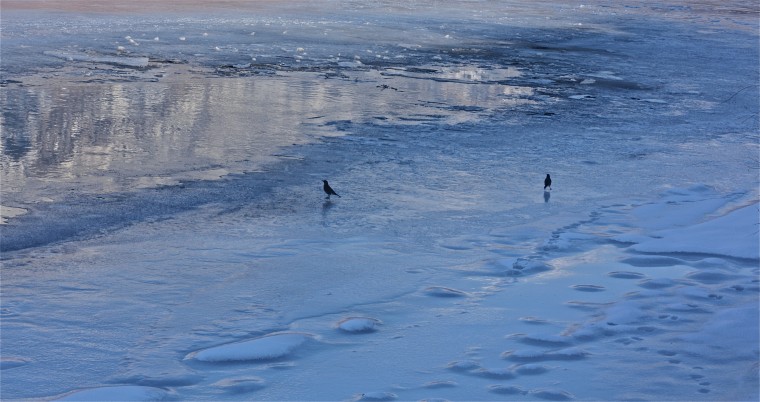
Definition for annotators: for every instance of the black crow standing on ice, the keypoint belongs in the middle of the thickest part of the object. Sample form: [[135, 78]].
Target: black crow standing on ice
[[328, 190], [547, 182]]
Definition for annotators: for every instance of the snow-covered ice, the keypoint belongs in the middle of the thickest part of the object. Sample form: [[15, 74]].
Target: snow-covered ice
[[268, 347], [358, 324], [117, 393], [729, 235], [165, 235]]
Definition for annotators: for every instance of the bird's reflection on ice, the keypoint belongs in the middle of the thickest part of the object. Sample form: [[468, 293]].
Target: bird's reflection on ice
[[326, 206]]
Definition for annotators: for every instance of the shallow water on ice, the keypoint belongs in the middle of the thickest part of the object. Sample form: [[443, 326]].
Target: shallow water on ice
[[175, 211]]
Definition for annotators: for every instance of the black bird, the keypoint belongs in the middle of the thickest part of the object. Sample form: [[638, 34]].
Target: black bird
[[328, 190], [547, 182]]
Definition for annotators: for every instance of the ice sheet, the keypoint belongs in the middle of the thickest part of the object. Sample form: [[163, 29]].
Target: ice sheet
[[178, 245]]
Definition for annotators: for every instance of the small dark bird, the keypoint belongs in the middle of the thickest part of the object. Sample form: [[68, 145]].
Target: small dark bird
[[328, 190], [547, 182]]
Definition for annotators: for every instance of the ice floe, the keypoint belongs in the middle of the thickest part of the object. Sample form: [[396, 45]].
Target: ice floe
[[127, 61]]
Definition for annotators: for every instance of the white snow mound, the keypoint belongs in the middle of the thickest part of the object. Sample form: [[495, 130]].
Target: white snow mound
[[267, 347], [117, 393], [358, 324]]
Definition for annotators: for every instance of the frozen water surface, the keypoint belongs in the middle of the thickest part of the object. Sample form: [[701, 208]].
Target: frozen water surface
[[165, 233]]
